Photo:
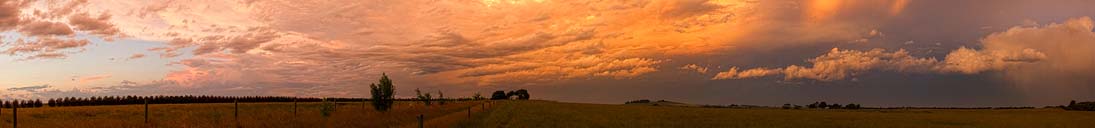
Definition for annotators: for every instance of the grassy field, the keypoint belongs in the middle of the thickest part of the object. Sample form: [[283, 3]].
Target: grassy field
[[263, 115], [528, 114], [569, 115]]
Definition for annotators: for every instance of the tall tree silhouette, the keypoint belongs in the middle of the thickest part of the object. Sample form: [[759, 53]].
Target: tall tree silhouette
[[383, 93]]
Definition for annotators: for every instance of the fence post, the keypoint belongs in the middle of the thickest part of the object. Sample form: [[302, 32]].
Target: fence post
[[146, 111], [236, 112], [294, 105], [469, 112], [421, 117], [15, 114]]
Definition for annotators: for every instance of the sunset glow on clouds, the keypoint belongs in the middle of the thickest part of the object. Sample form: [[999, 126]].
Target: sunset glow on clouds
[[335, 48]]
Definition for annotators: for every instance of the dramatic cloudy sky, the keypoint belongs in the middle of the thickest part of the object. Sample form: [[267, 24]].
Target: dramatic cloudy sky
[[763, 52]]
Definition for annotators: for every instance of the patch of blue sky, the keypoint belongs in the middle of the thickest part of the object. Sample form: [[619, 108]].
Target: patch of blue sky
[[98, 58]]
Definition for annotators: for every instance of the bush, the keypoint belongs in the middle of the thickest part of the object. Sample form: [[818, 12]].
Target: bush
[[499, 95], [835, 106], [424, 98], [383, 93], [522, 94], [637, 101], [477, 96], [327, 108], [1081, 106]]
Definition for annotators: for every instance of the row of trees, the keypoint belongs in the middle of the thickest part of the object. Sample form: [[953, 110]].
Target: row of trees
[[124, 100], [383, 92], [1082, 106], [823, 105], [22, 103], [520, 94]]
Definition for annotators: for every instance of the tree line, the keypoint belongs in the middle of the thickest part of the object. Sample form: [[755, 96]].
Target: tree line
[[382, 98], [22, 103], [520, 94], [1081, 106], [383, 91], [128, 100]]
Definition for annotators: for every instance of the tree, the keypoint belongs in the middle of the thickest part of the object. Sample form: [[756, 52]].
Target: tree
[[510, 94], [787, 106], [37, 103], [835, 106], [823, 105], [440, 97], [499, 95], [477, 96], [327, 108], [424, 98], [383, 93], [522, 94], [1071, 105], [852, 106]]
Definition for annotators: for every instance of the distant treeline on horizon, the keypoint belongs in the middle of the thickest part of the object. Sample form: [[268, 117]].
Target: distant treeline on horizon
[[126, 100]]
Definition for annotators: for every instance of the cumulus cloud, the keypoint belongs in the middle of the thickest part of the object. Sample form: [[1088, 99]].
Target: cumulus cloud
[[1069, 51], [844, 64], [735, 73], [694, 67], [43, 28], [45, 47], [334, 43], [1064, 50], [9, 14], [42, 36], [95, 25]]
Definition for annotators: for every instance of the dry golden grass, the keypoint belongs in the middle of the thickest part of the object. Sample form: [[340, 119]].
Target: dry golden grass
[[262, 115], [525, 114]]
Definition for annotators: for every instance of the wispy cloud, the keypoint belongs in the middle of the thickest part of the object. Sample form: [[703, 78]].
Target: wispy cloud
[[29, 88], [89, 79]]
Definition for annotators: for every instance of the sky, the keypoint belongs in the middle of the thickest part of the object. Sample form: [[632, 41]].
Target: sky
[[953, 53]]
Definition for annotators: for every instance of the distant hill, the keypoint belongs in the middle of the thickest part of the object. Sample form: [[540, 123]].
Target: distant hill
[[645, 102]]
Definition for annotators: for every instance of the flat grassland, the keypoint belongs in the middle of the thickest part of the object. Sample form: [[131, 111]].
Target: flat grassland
[[528, 114], [220, 115], [569, 115]]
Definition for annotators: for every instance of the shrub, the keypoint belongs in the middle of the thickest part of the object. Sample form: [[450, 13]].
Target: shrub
[[1081, 106], [522, 94], [835, 106], [477, 96], [498, 95], [327, 108], [383, 93], [852, 106], [440, 98], [424, 98], [637, 101]]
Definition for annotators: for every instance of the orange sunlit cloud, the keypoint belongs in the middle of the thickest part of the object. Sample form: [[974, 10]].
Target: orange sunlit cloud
[[333, 47]]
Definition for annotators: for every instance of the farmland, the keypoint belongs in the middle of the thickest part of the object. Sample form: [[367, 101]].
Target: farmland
[[555, 114], [346, 114], [529, 113]]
